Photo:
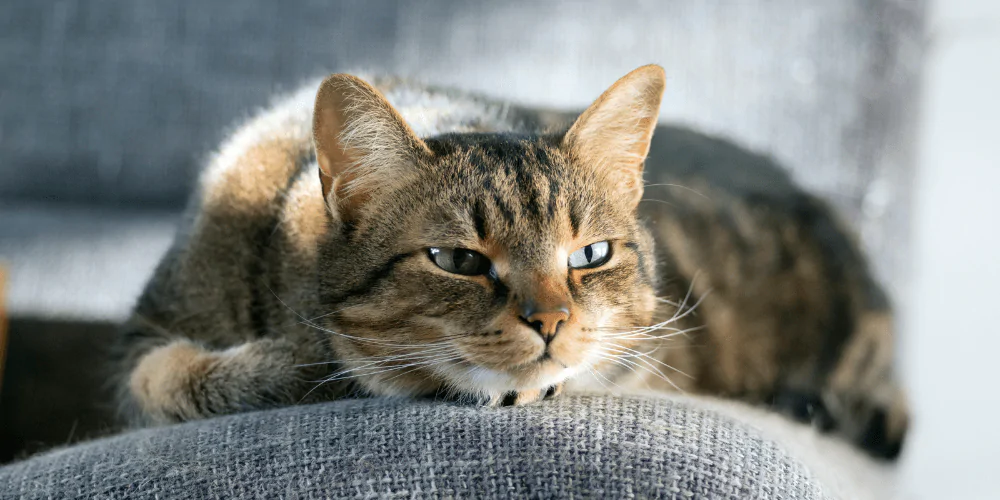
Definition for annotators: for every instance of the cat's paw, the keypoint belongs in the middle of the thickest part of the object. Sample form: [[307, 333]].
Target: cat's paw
[[876, 422], [162, 381], [862, 393], [518, 398], [860, 397], [182, 381]]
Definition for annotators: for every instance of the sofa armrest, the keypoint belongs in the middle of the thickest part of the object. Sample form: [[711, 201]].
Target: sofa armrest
[[582, 446]]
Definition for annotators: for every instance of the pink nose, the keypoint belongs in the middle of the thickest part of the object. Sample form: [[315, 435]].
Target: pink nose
[[545, 321]]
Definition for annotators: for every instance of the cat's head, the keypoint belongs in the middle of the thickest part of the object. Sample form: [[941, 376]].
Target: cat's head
[[483, 263]]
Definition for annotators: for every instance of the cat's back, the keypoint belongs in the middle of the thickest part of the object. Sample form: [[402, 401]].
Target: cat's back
[[778, 272], [257, 164], [741, 204], [688, 158]]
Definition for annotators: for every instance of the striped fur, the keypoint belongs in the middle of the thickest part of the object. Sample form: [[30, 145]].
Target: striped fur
[[304, 273]]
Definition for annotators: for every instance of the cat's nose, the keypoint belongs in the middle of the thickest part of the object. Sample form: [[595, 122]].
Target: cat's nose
[[544, 320]]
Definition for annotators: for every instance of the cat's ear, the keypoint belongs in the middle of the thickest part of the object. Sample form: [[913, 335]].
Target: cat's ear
[[614, 133], [363, 146]]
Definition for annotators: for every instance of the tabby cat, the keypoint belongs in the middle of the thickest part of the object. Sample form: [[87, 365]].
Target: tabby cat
[[396, 239]]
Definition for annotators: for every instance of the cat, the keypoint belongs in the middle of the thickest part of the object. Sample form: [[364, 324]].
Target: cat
[[394, 239]]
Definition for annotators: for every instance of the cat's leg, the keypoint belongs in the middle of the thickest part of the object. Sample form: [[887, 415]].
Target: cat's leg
[[183, 381], [863, 394], [860, 398]]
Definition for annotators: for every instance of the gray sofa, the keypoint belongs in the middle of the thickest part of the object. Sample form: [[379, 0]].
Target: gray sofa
[[107, 108], [582, 447]]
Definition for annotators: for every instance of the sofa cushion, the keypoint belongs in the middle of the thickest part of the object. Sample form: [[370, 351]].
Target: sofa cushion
[[603, 447]]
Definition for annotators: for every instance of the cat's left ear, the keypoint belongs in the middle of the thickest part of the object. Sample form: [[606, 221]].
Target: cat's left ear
[[614, 133], [363, 146]]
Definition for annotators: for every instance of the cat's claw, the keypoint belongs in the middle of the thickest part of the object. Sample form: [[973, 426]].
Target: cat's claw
[[518, 398]]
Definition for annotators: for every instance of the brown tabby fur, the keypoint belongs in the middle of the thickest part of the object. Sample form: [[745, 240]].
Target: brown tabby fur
[[304, 274]]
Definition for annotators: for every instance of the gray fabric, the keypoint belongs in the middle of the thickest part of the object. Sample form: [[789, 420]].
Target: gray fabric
[[85, 263], [573, 447], [115, 102]]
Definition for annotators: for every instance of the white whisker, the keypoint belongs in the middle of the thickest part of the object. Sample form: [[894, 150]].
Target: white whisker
[[353, 373], [644, 334], [678, 186], [599, 376], [682, 312], [433, 347], [652, 369], [646, 355]]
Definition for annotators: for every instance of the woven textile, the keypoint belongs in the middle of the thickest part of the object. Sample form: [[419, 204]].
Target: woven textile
[[571, 447], [109, 108]]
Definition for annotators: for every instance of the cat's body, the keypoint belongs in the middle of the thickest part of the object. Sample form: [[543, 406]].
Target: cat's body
[[301, 264]]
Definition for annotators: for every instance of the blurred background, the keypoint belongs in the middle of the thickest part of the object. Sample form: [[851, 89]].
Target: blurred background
[[887, 108]]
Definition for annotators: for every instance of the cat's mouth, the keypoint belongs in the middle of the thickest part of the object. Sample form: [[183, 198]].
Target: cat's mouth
[[517, 359], [544, 371], [547, 357]]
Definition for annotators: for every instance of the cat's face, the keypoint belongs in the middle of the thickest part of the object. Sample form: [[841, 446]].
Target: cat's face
[[484, 263], [503, 260]]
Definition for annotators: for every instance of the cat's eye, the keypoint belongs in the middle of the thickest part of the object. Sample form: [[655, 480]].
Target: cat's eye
[[460, 260], [592, 255]]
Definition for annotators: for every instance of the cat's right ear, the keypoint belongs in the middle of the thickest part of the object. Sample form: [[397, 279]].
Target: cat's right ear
[[363, 146], [613, 135]]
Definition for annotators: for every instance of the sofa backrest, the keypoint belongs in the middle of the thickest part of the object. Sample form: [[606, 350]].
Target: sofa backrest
[[116, 102]]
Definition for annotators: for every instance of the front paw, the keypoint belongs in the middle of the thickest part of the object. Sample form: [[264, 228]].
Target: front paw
[[518, 398], [161, 383]]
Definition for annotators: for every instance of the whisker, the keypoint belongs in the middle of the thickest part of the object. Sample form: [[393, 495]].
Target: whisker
[[593, 373], [378, 363], [436, 362], [690, 290], [379, 370], [282, 302], [599, 376], [625, 363], [618, 360], [433, 348], [667, 301], [364, 340], [678, 186], [631, 366], [307, 322], [331, 313], [652, 369], [646, 355], [644, 335], [678, 315], [658, 201]]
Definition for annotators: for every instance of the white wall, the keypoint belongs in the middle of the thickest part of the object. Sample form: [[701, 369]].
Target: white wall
[[951, 336]]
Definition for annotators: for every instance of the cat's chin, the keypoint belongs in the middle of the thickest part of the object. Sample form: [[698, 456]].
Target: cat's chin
[[536, 376]]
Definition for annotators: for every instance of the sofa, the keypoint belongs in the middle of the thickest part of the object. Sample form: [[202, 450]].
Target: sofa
[[637, 446], [107, 110]]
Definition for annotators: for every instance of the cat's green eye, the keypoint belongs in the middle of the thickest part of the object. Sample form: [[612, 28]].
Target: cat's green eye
[[592, 255], [460, 260]]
